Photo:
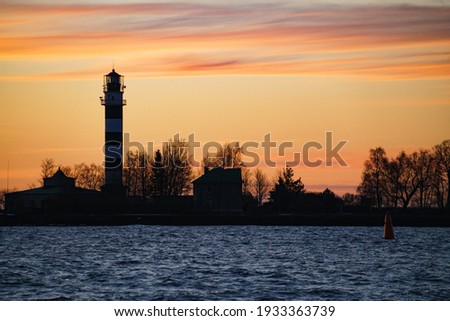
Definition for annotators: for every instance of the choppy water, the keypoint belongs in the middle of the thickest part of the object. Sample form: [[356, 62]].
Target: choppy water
[[223, 263]]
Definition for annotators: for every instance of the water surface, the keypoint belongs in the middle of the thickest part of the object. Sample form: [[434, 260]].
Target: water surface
[[223, 263]]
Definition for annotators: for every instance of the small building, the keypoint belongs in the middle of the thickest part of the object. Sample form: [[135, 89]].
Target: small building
[[58, 195], [218, 190]]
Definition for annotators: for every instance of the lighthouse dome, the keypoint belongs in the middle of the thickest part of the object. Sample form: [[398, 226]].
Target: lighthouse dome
[[113, 82]]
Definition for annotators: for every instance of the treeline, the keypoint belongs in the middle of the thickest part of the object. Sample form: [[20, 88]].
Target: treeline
[[165, 173], [289, 196], [419, 179], [168, 173]]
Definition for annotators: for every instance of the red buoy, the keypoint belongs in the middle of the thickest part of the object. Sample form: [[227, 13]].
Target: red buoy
[[388, 227]]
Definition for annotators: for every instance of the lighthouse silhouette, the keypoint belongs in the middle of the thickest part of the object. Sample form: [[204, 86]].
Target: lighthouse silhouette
[[113, 88]]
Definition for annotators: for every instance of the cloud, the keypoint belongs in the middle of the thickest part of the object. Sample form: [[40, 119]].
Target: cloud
[[167, 39]]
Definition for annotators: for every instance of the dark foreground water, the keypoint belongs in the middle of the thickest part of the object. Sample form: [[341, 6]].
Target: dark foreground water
[[223, 263]]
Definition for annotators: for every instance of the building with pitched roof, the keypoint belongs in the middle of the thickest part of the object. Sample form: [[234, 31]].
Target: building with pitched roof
[[218, 190], [58, 194]]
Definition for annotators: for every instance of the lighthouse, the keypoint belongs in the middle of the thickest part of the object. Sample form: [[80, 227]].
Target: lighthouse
[[113, 88]]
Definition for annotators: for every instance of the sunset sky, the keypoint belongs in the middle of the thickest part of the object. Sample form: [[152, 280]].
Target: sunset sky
[[375, 73]]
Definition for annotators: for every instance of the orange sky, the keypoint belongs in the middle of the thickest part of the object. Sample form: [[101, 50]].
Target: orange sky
[[373, 74]]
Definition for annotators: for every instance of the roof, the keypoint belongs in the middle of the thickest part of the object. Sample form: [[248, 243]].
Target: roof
[[113, 73], [59, 183], [59, 179], [52, 190], [60, 174], [220, 175]]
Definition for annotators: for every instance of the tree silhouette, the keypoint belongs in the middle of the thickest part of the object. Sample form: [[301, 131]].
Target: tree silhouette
[[228, 155], [159, 177], [171, 172], [424, 167], [286, 190], [136, 174], [48, 168], [247, 197], [391, 182], [442, 152], [418, 179], [246, 177], [261, 186], [439, 185], [330, 202], [371, 186], [89, 176], [409, 177]]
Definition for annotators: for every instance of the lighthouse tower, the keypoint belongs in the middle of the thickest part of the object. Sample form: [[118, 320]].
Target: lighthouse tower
[[113, 101]]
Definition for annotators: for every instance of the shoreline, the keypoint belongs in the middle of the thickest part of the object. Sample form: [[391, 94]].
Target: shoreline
[[324, 219]]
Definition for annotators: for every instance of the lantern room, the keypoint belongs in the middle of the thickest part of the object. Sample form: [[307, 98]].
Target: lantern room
[[113, 82]]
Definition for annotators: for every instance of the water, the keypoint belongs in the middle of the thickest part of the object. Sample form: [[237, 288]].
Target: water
[[223, 263]]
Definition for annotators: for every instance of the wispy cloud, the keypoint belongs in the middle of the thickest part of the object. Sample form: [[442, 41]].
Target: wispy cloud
[[176, 39]]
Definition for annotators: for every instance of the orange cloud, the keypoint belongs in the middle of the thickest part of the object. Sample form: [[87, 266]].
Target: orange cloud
[[176, 39]]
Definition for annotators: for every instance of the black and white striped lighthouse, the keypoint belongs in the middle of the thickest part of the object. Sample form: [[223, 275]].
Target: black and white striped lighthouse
[[113, 101]]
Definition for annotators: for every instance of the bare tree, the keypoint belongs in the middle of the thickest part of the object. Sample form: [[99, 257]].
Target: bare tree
[[246, 176], [261, 186], [171, 171], [372, 177], [247, 196], [401, 178], [48, 168], [424, 167], [419, 179], [409, 178], [137, 174], [442, 154], [131, 173], [89, 176], [438, 185], [390, 178], [228, 155]]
